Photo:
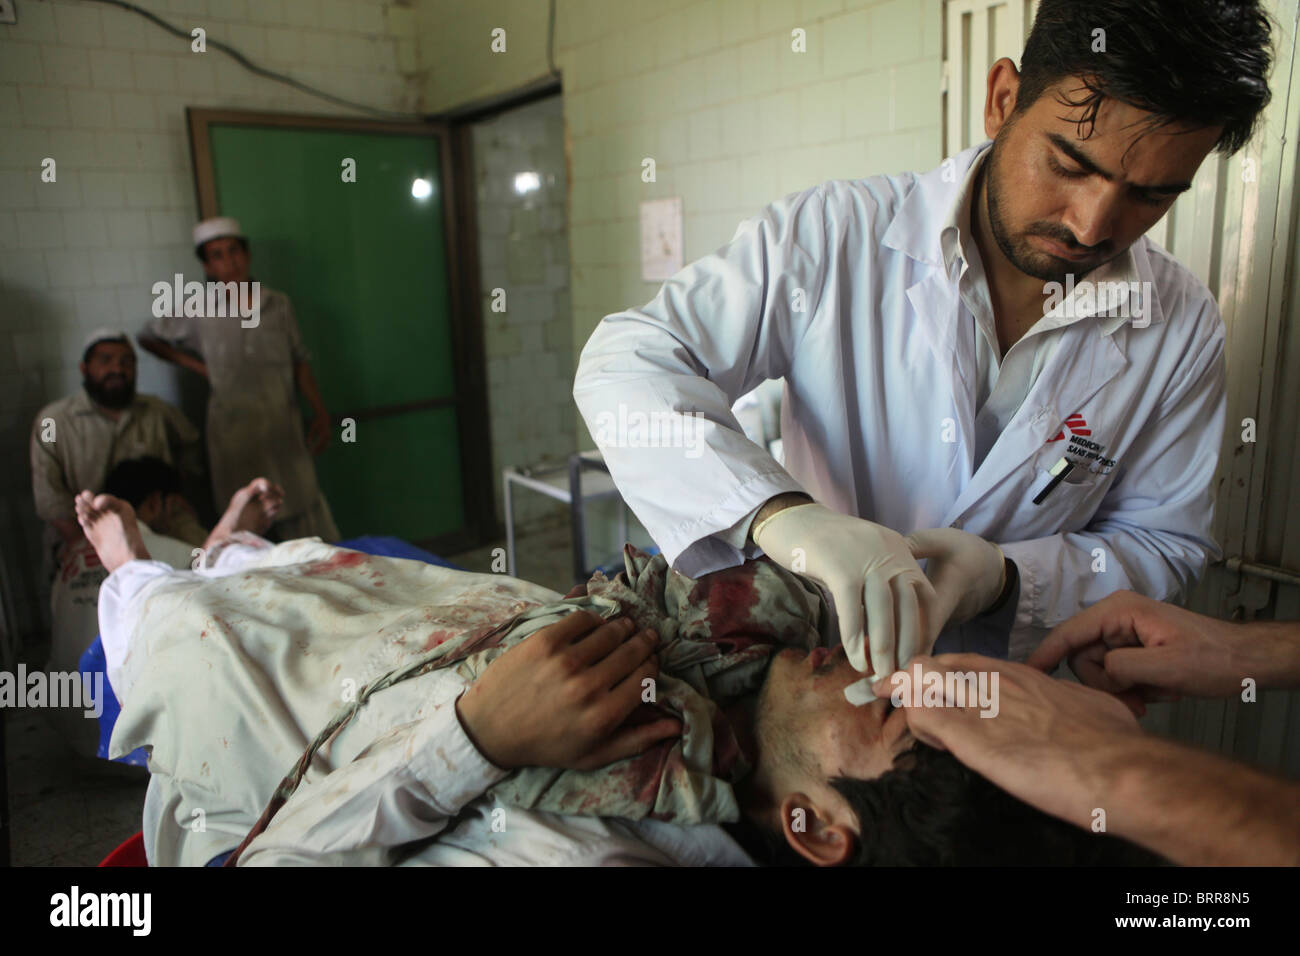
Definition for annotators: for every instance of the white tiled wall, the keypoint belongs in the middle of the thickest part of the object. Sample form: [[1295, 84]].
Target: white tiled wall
[[734, 118], [103, 92], [712, 90], [524, 251]]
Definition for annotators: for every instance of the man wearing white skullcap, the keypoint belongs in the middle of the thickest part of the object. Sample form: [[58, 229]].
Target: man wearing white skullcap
[[255, 371]]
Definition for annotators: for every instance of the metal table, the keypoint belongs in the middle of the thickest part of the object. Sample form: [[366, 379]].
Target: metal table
[[565, 483]]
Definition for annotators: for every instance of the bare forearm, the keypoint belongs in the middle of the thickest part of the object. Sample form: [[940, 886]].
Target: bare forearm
[[1195, 808], [1270, 653], [170, 353]]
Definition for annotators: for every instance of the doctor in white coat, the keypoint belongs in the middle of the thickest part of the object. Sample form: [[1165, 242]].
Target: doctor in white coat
[[992, 349]]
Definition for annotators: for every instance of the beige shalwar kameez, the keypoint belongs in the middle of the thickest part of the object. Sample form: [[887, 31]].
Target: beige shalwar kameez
[[254, 425]]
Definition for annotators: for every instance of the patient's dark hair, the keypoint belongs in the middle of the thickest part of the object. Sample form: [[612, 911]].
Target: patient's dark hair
[[932, 810], [136, 479], [1200, 62]]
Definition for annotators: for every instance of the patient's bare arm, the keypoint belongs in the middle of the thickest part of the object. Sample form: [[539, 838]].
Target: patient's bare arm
[[559, 698]]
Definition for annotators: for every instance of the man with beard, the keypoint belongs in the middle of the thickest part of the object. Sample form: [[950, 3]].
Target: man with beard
[[992, 349], [77, 440]]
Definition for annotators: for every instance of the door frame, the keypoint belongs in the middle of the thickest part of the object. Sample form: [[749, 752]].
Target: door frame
[[463, 287]]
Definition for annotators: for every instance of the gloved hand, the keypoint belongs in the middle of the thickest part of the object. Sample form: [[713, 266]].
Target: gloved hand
[[968, 574], [864, 566]]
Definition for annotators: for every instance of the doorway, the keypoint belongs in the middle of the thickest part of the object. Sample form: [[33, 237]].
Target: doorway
[[356, 221]]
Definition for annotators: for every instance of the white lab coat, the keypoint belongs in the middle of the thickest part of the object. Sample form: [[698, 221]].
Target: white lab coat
[[879, 405]]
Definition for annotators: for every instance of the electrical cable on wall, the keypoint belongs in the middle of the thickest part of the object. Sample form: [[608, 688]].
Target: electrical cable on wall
[[252, 67], [550, 42]]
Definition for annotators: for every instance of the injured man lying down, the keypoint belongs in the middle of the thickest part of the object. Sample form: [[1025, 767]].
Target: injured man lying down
[[306, 704]]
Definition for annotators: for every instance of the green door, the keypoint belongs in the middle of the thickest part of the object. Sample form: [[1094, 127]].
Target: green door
[[365, 265]]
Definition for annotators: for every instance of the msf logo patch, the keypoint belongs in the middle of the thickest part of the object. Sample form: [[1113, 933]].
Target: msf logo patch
[[1076, 425], [1080, 449]]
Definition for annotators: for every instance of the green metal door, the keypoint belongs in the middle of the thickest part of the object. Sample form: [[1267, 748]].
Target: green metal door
[[365, 265]]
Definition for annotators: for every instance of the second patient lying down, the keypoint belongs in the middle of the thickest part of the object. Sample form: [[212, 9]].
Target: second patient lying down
[[309, 704]]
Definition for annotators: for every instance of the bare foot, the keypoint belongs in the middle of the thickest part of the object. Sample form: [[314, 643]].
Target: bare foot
[[110, 526], [252, 508]]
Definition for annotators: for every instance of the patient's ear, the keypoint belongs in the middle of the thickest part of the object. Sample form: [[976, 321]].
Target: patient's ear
[[812, 835]]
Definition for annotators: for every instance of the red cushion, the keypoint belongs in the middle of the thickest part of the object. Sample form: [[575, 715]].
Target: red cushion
[[130, 853]]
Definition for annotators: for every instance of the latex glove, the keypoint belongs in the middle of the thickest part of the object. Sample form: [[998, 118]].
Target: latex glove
[[968, 574], [876, 584]]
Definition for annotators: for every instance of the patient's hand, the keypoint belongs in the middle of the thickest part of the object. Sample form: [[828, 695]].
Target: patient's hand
[[559, 698]]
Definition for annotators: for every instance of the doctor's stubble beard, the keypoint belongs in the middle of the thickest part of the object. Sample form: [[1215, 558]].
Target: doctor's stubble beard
[[1018, 251]]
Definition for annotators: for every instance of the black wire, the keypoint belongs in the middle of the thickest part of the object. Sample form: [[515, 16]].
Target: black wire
[[262, 71], [550, 42]]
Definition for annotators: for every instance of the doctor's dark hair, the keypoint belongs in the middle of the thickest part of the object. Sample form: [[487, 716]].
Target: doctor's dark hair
[[932, 810], [1199, 62]]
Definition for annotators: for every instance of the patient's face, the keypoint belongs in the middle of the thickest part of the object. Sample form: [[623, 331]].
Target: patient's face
[[802, 713], [807, 734]]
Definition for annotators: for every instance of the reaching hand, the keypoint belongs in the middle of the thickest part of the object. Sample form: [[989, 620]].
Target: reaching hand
[[1043, 744], [1143, 650]]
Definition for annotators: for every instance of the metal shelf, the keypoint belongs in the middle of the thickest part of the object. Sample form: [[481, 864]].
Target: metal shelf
[[583, 479]]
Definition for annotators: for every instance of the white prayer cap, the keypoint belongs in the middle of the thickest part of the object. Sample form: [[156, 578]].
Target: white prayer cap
[[218, 228], [103, 335]]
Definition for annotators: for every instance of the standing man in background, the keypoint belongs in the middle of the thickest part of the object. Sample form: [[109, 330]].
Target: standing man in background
[[254, 427]]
